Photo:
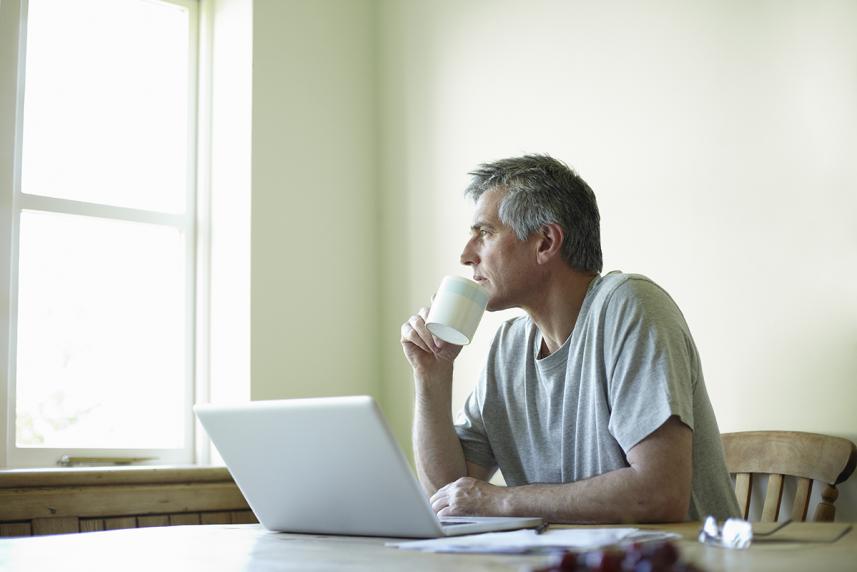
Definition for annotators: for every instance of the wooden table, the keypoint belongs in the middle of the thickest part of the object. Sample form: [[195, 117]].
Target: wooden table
[[251, 548]]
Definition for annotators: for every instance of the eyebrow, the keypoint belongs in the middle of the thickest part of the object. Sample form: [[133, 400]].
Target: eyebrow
[[481, 224]]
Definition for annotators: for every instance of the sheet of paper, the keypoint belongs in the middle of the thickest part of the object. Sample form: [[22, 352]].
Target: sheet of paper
[[524, 541]]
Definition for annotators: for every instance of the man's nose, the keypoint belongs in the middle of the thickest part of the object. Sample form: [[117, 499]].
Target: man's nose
[[468, 256]]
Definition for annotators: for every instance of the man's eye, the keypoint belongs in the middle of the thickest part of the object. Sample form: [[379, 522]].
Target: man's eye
[[483, 233]]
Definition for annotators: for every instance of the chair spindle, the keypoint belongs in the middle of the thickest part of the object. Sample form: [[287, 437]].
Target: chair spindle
[[773, 498], [825, 511], [743, 486], [801, 502]]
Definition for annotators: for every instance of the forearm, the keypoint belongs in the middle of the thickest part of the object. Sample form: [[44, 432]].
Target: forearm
[[654, 487], [620, 496], [437, 450]]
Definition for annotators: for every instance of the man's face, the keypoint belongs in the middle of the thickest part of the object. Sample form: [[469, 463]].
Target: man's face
[[500, 262]]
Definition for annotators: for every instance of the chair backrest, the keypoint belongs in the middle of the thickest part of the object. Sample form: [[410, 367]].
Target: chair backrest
[[779, 454]]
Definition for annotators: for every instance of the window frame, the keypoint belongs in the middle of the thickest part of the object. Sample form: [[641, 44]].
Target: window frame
[[13, 202]]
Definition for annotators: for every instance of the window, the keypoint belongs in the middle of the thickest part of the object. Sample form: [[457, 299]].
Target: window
[[103, 232]]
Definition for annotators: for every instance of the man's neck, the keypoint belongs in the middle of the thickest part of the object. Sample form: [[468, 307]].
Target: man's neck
[[556, 309]]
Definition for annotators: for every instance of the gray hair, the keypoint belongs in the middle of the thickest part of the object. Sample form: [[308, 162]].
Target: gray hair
[[541, 190]]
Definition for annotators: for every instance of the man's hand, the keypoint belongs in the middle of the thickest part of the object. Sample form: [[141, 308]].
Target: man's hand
[[426, 353], [468, 496]]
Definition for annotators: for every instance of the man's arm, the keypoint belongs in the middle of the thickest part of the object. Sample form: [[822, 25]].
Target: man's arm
[[655, 488], [437, 450]]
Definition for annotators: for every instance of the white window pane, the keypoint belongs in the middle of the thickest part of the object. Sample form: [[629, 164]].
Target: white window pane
[[101, 334], [106, 103]]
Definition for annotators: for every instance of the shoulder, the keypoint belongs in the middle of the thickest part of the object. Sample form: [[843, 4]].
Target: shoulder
[[634, 301], [618, 289]]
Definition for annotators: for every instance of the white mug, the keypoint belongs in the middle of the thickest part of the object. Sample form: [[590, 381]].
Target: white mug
[[456, 310]]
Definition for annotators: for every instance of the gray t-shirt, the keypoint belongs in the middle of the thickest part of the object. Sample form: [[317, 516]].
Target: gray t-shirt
[[629, 364]]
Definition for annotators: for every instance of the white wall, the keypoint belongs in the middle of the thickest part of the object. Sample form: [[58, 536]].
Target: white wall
[[719, 138], [314, 257]]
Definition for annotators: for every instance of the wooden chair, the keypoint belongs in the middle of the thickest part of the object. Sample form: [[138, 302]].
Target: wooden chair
[[779, 454]]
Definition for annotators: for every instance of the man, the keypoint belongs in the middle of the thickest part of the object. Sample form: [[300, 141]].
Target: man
[[593, 404]]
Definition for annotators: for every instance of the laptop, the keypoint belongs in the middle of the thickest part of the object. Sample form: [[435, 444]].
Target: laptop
[[329, 466]]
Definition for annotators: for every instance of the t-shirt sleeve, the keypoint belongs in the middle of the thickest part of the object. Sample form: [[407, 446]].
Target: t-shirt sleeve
[[649, 357], [470, 429]]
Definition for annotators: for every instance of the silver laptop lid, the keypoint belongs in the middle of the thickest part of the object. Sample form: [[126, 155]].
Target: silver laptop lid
[[322, 465]]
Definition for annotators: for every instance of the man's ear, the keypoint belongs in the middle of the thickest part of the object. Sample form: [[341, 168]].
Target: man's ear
[[549, 242]]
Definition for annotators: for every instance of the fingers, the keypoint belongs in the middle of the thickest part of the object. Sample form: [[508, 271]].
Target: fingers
[[409, 336], [460, 497], [445, 501], [423, 313], [438, 343], [442, 491], [439, 501], [414, 331]]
